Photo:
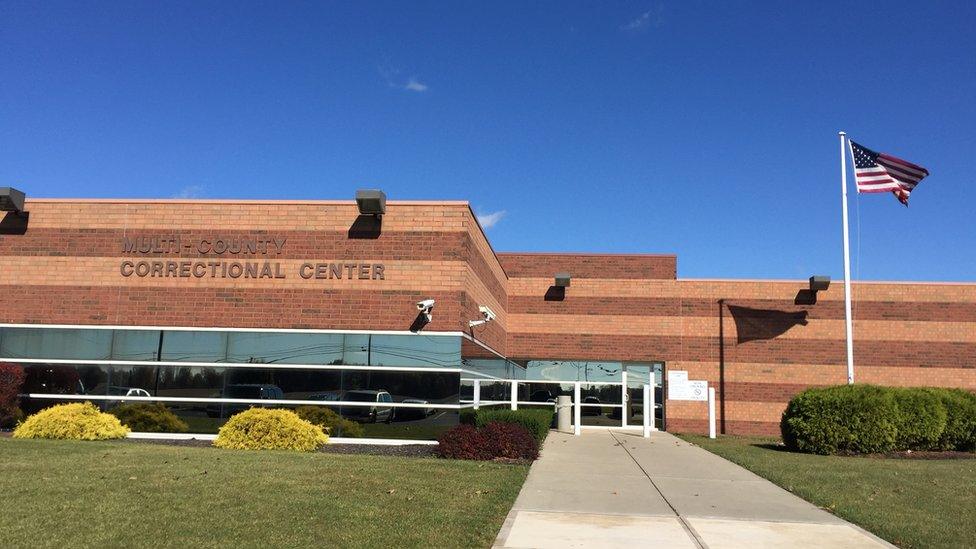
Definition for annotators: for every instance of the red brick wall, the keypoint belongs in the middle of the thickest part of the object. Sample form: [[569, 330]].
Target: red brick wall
[[65, 269], [747, 338], [770, 349], [604, 266]]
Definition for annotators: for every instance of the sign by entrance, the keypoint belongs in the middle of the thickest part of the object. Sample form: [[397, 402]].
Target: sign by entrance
[[682, 388]]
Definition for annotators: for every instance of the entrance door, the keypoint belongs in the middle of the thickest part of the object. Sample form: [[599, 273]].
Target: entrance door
[[635, 376]]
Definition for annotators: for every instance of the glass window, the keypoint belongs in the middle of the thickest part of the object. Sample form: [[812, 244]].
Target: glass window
[[419, 350], [355, 349], [78, 344], [57, 379], [179, 346], [574, 370], [275, 348], [135, 345]]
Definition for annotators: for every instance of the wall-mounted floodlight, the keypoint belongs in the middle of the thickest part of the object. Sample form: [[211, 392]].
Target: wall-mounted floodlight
[[371, 202], [819, 283], [11, 200], [562, 280]]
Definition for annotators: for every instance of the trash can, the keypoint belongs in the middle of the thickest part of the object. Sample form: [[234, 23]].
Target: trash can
[[564, 413]]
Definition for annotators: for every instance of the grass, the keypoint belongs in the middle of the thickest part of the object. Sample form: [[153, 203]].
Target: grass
[[910, 503], [114, 494]]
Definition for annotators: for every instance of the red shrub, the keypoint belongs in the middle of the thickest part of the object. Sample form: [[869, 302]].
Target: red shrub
[[463, 442], [510, 440], [495, 440], [11, 381]]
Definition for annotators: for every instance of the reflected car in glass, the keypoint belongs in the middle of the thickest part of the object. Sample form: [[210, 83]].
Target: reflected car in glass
[[370, 414], [591, 410], [541, 395], [404, 414]]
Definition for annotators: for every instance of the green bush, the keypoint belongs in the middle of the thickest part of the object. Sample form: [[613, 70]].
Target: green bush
[[468, 416], [960, 429], [921, 419], [331, 422], [535, 420], [267, 429], [864, 419], [149, 418], [846, 418], [78, 421]]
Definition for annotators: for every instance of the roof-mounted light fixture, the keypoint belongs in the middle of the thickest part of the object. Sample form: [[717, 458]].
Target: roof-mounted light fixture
[[819, 283], [562, 280], [808, 296], [371, 202], [11, 200]]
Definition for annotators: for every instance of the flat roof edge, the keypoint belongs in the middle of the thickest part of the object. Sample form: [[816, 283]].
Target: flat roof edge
[[238, 201], [589, 254], [833, 281]]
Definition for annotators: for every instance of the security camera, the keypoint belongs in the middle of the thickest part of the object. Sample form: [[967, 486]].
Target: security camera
[[425, 307], [488, 315]]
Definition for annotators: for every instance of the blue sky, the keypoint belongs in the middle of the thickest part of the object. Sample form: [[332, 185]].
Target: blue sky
[[705, 129]]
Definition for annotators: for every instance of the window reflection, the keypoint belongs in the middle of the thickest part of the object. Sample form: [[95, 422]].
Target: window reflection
[[258, 384], [56, 343], [231, 346]]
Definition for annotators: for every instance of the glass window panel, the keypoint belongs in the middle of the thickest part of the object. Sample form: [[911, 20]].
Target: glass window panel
[[490, 390], [495, 367], [135, 345], [355, 349], [418, 350], [180, 346], [59, 379], [573, 370], [285, 348], [70, 343], [544, 392], [403, 386]]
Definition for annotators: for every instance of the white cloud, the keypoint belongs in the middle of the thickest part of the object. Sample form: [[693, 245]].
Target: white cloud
[[489, 220], [414, 85], [393, 80], [649, 17], [190, 191]]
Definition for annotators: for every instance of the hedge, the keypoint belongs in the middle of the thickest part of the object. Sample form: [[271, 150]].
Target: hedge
[[864, 419], [267, 429], [331, 422], [77, 421], [960, 430], [536, 421], [495, 440], [921, 419], [149, 418]]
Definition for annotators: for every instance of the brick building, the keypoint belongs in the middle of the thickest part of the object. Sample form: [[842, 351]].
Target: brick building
[[210, 306]]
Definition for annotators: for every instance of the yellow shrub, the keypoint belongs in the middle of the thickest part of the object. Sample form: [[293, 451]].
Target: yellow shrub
[[79, 421], [263, 429]]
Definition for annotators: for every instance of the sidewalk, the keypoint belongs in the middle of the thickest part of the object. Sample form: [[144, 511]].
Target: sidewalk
[[618, 489]]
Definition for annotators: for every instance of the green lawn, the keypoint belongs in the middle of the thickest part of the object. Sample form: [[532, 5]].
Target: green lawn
[[112, 494], [911, 503]]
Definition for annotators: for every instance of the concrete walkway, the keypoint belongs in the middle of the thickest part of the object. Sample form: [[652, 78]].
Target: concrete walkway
[[618, 489]]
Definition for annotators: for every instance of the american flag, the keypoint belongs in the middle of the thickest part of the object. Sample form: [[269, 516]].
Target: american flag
[[879, 172]]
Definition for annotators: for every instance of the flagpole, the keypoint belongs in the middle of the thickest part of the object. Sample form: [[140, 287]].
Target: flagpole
[[849, 325]]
